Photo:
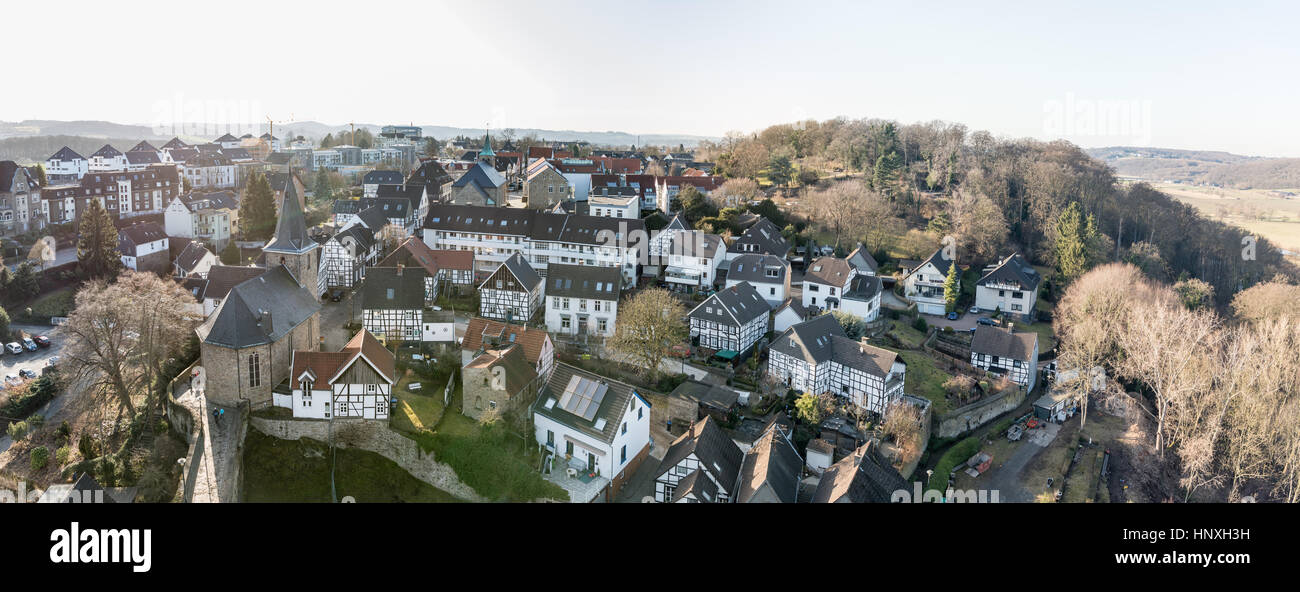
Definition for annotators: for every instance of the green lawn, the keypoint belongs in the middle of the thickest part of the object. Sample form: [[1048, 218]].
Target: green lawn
[[51, 304], [906, 334], [278, 470], [419, 410], [924, 379], [1046, 335]]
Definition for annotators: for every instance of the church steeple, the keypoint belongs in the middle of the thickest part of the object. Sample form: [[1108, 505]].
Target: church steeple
[[486, 154], [292, 246]]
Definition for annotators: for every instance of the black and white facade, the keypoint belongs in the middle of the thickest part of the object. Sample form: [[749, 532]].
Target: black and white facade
[[816, 357], [345, 256], [512, 293], [1007, 352], [392, 301], [701, 466], [733, 319]]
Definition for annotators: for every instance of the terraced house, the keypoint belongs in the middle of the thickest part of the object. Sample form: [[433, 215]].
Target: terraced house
[[20, 196], [815, 357], [542, 238]]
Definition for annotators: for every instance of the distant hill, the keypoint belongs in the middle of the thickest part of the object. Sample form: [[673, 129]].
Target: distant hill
[[1201, 167]]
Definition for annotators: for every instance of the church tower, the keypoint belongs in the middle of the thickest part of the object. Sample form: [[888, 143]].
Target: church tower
[[486, 154], [291, 245]]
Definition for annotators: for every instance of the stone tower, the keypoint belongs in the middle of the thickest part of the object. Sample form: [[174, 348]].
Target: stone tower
[[291, 245]]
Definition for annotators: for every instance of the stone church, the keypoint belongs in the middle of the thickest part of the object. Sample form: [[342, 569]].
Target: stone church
[[247, 343]]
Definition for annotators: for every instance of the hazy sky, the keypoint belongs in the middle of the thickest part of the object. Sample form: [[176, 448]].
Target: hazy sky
[[1215, 76]]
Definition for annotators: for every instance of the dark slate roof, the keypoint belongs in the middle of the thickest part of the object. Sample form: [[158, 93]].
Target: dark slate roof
[[734, 306], [66, 153], [382, 178], [144, 145], [522, 271], [702, 487], [709, 395], [938, 259], [867, 358], [373, 217], [389, 207], [831, 271], [183, 154], [581, 281], [612, 408], [864, 287], [753, 269], [291, 229], [107, 152], [810, 340], [694, 243], [279, 180], [482, 175], [1013, 270], [8, 169], [430, 174], [410, 193], [216, 200], [142, 157], [364, 237], [267, 136], [175, 143], [535, 224], [791, 304], [767, 236], [1004, 342], [772, 461], [140, 233], [862, 261], [385, 289], [191, 255], [221, 278], [862, 477], [236, 153], [279, 158], [226, 138], [346, 206], [195, 285], [258, 311]]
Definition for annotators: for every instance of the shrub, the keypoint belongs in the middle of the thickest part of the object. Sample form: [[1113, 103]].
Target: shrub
[[18, 430], [86, 446], [40, 457], [62, 455], [64, 433], [949, 461], [919, 324]]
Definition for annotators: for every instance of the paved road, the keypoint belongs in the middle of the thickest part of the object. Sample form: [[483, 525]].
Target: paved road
[[1006, 479], [61, 256]]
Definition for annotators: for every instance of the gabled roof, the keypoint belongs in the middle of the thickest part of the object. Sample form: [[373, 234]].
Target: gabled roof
[[754, 268], [66, 153], [810, 340], [388, 207], [430, 173], [414, 251], [694, 243], [718, 454], [873, 360], [346, 206], [1004, 342], [734, 306], [141, 233], [608, 414], [107, 152], [535, 224], [144, 145], [940, 261], [325, 367], [258, 311], [142, 157], [175, 143], [373, 218], [226, 138], [358, 232], [864, 287], [862, 261], [793, 305], [291, 228], [393, 288], [382, 177], [481, 175], [1013, 270], [831, 271], [522, 272], [583, 281], [766, 236], [709, 395], [772, 462], [191, 256], [486, 333], [696, 484], [515, 369], [861, 478], [411, 193]]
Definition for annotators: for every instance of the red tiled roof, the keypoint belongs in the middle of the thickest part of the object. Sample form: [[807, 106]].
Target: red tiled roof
[[531, 339]]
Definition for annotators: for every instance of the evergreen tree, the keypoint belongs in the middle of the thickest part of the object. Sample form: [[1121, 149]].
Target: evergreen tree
[[97, 252], [25, 284], [322, 190], [257, 210], [327, 141], [780, 171], [951, 288], [230, 254], [39, 169], [1071, 242], [885, 172]]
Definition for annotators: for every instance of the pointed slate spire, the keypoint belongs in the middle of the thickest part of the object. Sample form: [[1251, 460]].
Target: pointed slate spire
[[291, 229], [487, 146]]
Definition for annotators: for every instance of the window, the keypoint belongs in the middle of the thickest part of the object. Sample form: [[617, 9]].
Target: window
[[640, 413], [550, 438], [255, 370], [568, 448], [622, 456], [624, 428]]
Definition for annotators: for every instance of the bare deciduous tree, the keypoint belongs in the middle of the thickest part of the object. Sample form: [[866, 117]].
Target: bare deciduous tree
[[648, 324]]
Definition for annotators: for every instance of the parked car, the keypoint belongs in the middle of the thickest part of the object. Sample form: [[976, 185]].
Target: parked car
[[13, 379], [29, 344], [42, 340], [987, 321], [52, 361], [952, 316], [974, 310], [25, 373], [14, 347]]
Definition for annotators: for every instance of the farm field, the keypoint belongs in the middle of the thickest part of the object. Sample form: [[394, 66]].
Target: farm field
[[1242, 207]]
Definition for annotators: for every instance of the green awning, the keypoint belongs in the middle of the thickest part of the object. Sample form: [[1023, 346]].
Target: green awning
[[727, 354]]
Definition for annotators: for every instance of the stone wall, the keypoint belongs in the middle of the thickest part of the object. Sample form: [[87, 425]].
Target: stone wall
[[965, 419], [377, 437]]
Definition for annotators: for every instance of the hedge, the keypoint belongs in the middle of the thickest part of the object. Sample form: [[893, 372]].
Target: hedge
[[956, 455]]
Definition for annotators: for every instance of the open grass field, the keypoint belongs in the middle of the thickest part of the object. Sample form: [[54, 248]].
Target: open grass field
[[924, 379], [499, 465], [1258, 210], [299, 471]]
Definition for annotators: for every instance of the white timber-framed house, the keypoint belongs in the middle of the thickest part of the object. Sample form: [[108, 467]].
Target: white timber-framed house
[[732, 319], [513, 293], [355, 382], [815, 357], [1007, 352], [701, 466]]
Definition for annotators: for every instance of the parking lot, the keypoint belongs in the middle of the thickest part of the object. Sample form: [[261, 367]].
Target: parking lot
[[34, 361]]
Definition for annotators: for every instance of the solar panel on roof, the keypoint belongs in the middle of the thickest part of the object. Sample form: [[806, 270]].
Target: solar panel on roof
[[582, 397]]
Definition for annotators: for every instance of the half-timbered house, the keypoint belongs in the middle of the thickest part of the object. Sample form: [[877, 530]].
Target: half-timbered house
[[816, 357], [345, 256], [1006, 351], [732, 319], [392, 301], [702, 466], [355, 382], [512, 293]]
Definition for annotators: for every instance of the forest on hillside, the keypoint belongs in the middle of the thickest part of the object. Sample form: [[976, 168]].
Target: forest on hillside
[[993, 194]]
